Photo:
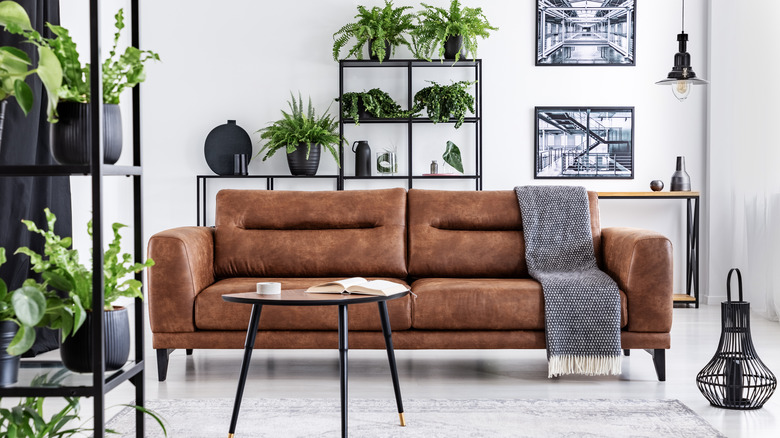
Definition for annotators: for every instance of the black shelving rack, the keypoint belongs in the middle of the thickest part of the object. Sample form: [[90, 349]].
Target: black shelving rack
[[99, 382], [411, 65]]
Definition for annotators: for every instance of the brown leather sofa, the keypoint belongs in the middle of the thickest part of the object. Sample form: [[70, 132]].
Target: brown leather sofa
[[462, 253]]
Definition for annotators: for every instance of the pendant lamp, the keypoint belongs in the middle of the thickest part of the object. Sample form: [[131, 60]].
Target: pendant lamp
[[682, 77]]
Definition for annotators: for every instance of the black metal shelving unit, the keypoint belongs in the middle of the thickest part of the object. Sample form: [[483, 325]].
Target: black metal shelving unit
[[99, 382], [412, 65]]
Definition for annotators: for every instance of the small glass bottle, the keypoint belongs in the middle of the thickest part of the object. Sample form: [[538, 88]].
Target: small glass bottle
[[434, 167]]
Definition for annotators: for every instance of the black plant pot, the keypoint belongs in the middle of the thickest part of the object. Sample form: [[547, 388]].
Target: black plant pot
[[388, 49], [300, 165], [9, 365], [76, 351], [453, 45], [71, 139]]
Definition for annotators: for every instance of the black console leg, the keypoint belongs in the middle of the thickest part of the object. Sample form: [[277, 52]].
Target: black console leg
[[391, 358], [189, 352], [659, 361], [162, 363], [627, 352]]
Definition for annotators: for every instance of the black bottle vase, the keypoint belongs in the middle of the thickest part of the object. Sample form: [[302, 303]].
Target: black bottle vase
[[681, 181], [362, 158], [71, 136], [76, 351]]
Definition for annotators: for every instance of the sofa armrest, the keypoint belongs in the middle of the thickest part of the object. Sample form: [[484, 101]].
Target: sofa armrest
[[640, 261], [184, 266]]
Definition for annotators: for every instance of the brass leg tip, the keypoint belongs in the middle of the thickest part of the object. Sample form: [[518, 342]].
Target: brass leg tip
[[230, 435], [403, 420]]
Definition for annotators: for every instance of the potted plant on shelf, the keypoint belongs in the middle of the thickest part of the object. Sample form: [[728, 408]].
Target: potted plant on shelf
[[62, 270], [371, 103], [30, 306], [15, 66], [302, 135], [70, 137], [445, 102], [451, 33], [382, 28]]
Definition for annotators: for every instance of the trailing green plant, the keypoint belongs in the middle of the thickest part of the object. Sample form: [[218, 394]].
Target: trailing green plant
[[298, 127], [15, 65], [375, 102], [118, 72], [445, 102], [33, 305], [436, 24], [452, 157], [375, 26], [27, 419], [62, 270]]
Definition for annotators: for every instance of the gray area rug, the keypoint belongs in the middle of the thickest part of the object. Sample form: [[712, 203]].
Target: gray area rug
[[424, 418]]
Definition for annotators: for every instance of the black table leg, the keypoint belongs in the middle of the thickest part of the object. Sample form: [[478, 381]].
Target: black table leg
[[251, 334], [391, 358], [343, 348]]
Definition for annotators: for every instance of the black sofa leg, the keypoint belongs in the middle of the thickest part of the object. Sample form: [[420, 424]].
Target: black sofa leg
[[627, 352], [659, 361], [189, 352], [162, 363]]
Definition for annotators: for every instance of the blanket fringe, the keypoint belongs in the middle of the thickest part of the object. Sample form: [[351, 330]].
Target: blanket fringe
[[587, 365]]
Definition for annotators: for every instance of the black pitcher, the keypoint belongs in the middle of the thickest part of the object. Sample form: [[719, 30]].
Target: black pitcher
[[362, 158]]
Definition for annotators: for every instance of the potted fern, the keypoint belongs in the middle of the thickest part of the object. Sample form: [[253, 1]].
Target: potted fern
[[445, 102], [302, 135], [15, 65], [382, 29], [70, 136], [451, 33], [61, 269]]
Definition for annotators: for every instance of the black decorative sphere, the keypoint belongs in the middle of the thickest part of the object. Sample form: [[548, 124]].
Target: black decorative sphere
[[656, 185], [222, 143]]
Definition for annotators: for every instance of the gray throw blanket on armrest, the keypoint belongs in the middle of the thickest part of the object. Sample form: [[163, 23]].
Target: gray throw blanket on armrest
[[581, 303]]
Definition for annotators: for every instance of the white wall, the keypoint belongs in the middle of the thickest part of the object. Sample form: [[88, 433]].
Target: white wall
[[239, 60]]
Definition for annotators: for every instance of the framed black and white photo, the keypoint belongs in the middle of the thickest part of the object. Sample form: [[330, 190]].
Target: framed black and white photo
[[584, 142], [587, 32]]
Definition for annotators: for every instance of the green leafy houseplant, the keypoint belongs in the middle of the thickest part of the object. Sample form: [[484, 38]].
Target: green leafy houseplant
[[297, 128], [62, 270], [119, 72], [33, 305], [451, 156], [15, 64], [445, 102], [375, 102], [375, 26], [437, 24]]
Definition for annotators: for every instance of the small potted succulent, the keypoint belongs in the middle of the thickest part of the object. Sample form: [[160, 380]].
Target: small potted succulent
[[61, 269], [450, 33], [382, 29], [302, 135], [445, 102]]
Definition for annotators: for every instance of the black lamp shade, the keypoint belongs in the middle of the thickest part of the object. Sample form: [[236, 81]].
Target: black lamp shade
[[682, 70]]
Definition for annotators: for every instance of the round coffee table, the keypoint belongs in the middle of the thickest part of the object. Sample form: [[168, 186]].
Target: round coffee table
[[298, 297]]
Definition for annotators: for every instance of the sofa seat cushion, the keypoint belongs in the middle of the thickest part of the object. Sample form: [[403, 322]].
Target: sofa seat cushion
[[213, 313], [483, 304]]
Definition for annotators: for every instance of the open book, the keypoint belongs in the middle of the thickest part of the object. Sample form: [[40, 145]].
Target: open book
[[359, 285]]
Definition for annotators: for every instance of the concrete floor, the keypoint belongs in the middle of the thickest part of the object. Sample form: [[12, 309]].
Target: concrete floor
[[472, 374]]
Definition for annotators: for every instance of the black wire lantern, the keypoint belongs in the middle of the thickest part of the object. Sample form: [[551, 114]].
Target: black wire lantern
[[736, 378]]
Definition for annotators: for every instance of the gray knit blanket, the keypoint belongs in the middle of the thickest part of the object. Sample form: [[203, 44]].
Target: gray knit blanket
[[581, 303]]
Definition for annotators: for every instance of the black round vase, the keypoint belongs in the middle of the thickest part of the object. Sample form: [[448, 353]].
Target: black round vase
[[371, 56], [452, 46], [76, 351], [300, 165], [9, 365], [222, 144], [71, 135]]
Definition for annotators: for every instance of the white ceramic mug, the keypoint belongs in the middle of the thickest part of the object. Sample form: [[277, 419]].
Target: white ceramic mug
[[269, 288]]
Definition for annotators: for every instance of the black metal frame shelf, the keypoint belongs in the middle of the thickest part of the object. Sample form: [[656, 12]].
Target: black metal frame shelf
[[40, 367], [133, 371], [411, 65]]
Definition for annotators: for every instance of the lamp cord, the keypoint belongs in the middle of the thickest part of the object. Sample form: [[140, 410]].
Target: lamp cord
[[683, 17]]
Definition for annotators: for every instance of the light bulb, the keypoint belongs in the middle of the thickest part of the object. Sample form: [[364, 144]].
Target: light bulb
[[681, 89]]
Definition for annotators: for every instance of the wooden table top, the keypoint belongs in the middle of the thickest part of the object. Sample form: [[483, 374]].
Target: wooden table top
[[639, 195], [299, 297]]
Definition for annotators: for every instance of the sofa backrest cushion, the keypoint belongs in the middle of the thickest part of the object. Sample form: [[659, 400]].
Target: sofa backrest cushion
[[472, 234], [262, 233]]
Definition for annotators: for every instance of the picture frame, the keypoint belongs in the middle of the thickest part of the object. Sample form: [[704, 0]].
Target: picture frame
[[585, 33], [584, 142]]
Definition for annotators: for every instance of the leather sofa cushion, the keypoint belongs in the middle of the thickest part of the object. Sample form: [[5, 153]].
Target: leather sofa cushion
[[471, 234], [293, 234], [483, 304], [213, 313]]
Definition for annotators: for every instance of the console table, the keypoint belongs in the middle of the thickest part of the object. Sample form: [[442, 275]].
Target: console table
[[691, 295]]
